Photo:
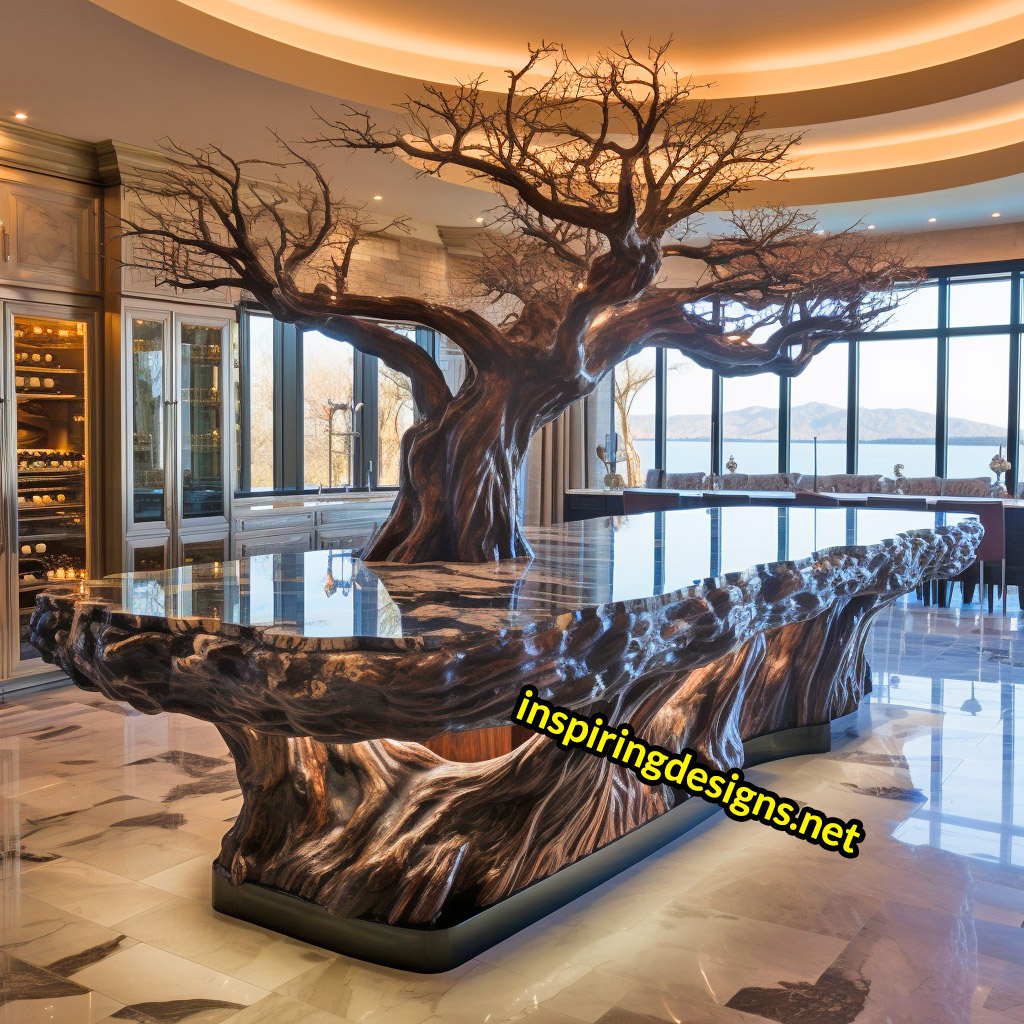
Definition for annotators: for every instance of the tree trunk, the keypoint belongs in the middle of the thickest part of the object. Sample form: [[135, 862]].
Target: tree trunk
[[458, 498]]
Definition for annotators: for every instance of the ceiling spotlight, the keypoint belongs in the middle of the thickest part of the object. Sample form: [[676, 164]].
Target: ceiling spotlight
[[932, 220], [996, 214], [479, 220], [378, 198], [871, 227], [20, 116]]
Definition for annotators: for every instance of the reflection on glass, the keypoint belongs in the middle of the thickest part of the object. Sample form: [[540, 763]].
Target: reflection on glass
[[202, 466], [750, 427], [688, 434], [977, 404], [979, 303], [148, 559], [50, 385], [330, 424], [148, 420], [203, 552], [897, 407], [634, 398], [261, 403], [818, 406]]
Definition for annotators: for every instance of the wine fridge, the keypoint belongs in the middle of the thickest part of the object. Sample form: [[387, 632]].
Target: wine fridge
[[46, 533]]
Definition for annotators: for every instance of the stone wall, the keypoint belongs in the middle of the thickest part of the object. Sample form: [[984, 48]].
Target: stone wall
[[400, 265]]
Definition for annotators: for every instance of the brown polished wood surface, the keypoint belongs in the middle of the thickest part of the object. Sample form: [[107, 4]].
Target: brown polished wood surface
[[345, 804]]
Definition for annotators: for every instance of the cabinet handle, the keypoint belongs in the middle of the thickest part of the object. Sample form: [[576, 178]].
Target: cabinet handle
[[5, 243]]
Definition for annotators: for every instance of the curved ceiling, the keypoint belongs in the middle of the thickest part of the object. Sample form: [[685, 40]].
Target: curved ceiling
[[743, 46], [894, 97]]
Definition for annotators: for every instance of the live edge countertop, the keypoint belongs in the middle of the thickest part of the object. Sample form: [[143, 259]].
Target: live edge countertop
[[299, 632]]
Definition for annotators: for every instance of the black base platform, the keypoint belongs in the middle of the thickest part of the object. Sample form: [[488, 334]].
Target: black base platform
[[432, 950]]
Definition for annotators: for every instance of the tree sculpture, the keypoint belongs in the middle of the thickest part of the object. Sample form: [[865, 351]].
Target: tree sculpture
[[603, 170]]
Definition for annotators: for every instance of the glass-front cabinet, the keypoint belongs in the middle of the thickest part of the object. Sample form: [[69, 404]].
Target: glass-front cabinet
[[178, 497], [46, 451]]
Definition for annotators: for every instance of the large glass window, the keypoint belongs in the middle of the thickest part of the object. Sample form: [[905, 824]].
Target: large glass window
[[635, 392], [261, 403], [688, 422], [818, 409], [918, 310], [897, 406], [394, 417], [980, 303], [977, 403], [331, 420], [750, 422]]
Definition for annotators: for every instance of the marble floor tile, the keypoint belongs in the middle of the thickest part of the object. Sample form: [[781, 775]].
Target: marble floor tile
[[144, 974], [191, 928], [90, 892]]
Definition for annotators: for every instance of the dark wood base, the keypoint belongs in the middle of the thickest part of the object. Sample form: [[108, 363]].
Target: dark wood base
[[431, 950]]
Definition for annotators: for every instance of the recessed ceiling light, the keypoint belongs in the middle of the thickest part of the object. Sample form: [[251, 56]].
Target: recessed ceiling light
[[871, 227], [931, 220], [734, 337], [996, 214], [479, 220], [20, 116], [378, 198]]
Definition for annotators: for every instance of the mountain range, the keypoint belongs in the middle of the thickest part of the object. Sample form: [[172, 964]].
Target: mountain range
[[826, 422]]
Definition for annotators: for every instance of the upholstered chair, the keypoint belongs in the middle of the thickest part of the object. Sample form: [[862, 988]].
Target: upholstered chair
[[733, 482], [685, 481], [920, 485], [846, 483], [967, 487], [772, 481]]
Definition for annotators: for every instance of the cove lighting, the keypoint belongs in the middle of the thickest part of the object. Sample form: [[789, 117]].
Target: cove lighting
[[20, 116]]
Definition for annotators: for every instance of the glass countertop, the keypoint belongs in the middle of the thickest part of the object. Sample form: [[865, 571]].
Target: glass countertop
[[333, 594]]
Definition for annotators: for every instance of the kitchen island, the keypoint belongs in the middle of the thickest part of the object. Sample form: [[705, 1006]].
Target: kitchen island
[[391, 811]]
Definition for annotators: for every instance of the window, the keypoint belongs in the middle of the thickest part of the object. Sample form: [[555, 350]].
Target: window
[[395, 414], [635, 394], [750, 422], [977, 403], [332, 418], [313, 412], [918, 310], [261, 403], [980, 303], [818, 409], [897, 406], [394, 417], [688, 423]]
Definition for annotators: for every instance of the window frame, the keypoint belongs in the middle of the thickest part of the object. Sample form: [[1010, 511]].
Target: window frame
[[289, 407], [943, 277]]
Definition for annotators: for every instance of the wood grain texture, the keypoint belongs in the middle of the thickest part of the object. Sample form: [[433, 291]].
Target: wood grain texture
[[344, 805]]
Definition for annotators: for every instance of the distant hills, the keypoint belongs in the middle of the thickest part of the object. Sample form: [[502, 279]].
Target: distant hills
[[827, 422]]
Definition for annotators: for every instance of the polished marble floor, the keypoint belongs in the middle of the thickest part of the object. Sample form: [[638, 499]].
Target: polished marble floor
[[109, 820]]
